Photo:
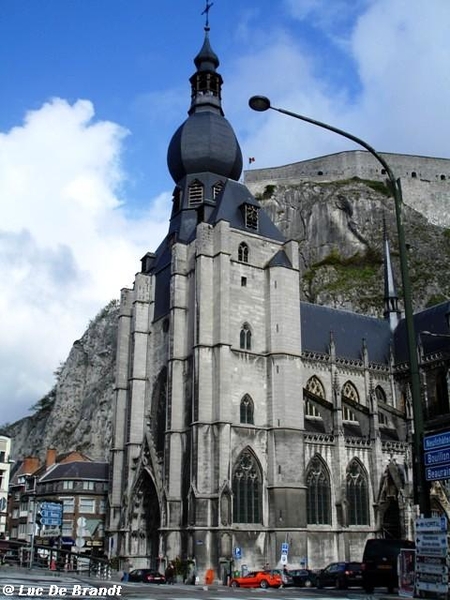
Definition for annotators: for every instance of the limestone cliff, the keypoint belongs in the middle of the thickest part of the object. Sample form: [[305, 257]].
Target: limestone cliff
[[339, 226], [76, 413]]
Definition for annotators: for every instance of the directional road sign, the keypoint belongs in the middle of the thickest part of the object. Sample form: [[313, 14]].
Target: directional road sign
[[431, 544], [437, 569], [51, 514], [431, 524], [52, 522], [48, 505]]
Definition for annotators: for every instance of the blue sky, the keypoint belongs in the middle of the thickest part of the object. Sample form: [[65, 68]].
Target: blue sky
[[92, 91]]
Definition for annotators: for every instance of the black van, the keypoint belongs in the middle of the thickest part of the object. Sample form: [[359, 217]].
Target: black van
[[379, 563]]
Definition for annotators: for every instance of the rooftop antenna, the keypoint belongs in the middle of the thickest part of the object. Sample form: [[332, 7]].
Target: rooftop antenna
[[206, 12]]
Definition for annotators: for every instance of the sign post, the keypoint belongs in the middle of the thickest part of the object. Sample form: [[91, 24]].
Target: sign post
[[431, 557]]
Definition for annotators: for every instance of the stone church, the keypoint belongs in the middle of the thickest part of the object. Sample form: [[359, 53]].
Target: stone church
[[250, 427]]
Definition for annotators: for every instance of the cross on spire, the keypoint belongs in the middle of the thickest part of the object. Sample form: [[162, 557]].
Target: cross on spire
[[206, 12]]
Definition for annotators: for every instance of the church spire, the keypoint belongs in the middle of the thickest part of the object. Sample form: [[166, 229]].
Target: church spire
[[205, 142], [391, 309], [206, 83]]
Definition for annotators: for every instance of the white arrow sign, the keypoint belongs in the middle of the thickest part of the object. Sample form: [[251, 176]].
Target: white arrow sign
[[431, 568], [431, 524], [436, 540]]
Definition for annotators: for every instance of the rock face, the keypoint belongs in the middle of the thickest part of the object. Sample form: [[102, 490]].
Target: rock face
[[77, 413], [339, 225]]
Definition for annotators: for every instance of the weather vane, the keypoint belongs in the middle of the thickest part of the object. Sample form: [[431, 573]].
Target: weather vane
[[206, 12]]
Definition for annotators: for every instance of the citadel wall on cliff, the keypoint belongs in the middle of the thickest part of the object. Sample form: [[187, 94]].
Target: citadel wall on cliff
[[425, 180]]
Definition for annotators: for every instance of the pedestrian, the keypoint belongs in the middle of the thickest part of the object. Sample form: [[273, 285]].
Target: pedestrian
[[126, 570], [170, 573]]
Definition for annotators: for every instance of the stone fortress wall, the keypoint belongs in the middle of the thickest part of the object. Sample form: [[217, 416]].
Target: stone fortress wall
[[425, 180]]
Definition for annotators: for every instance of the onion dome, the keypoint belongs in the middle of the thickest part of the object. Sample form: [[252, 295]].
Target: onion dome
[[205, 142]]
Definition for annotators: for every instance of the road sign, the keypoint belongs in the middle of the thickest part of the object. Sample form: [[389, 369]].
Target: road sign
[[431, 524], [437, 569], [436, 540], [51, 532], [284, 558], [50, 514], [51, 521], [437, 457], [51, 506], [437, 473], [425, 586], [284, 548], [439, 440], [238, 552]]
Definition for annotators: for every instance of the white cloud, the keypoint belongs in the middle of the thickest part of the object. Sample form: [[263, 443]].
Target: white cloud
[[66, 245], [396, 94]]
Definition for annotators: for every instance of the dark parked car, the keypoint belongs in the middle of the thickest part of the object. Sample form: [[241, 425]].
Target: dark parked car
[[340, 575], [380, 563], [146, 576], [284, 574], [303, 577]]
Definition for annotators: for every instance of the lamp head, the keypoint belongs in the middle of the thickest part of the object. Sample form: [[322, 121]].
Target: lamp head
[[259, 103]]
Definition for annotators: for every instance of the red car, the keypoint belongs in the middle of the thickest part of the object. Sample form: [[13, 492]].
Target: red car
[[261, 579]]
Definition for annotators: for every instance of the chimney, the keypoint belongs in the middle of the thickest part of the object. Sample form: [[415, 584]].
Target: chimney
[[30, 465], [50, 457]]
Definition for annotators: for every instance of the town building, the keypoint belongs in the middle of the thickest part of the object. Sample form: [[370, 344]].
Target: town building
[[250, 427], [5, 468], [71, 480]]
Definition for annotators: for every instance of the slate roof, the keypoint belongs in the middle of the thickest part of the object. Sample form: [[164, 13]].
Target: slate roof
[[78, 470], [348, 328], [431, 319], [229, 208]]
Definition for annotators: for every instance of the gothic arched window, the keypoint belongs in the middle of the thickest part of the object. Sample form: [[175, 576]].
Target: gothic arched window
[[247, 488], [243, 252], [247, 409], [380, 394], [318, 502], [357, 494], [350, 392], [314, 386], [245, 338]]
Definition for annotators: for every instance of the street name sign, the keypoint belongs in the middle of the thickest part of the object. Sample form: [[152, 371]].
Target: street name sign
[[437, 457], [437, 473], [439, 440]]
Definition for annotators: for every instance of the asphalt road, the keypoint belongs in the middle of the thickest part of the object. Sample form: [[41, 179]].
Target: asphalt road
[[24, 583]]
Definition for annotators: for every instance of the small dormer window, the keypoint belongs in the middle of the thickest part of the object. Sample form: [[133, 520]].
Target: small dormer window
[[251, 217], [196, 193], [216, 189]]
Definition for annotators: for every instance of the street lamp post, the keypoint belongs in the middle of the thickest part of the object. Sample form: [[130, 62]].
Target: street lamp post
[[260, 104]]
